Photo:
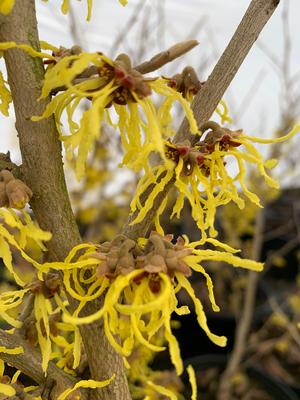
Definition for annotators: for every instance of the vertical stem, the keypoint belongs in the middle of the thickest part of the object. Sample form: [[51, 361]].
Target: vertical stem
[[244, 324], [257, 15], [42, 167], [42, 170]]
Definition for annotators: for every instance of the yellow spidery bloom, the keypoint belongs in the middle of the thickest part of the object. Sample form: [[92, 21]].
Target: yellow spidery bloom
[[5, 96], [65, 7], [26, 230], [10, 386], [202, 178], [140, 283], [139, 373], [162, 391], [5, 387], [87, 384], [6, 6], [192, 378], [25, 47], [142, 286], [223, 112], [9, 301], [47, 332], [113, 88]]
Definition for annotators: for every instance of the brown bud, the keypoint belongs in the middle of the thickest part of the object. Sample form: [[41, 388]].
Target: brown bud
[[18, 193], [103, 269], [76, 49], [123, 61], [155, 263], [5, 379], [191, 82], [51, 285], [31, 334], [4, 202], [6, 176], [35, 286]]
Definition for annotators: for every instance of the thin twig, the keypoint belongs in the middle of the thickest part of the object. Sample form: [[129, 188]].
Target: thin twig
[[6, 163], [244, 324], [281, 252], [279, 231], [290, 327], [250, 95], [130, 24]]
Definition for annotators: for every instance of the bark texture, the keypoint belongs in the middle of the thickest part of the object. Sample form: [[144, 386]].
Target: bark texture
[[42, 171]]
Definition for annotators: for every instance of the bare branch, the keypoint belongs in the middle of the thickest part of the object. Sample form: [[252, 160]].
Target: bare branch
[[206, 101], [30, 363], [130, 24], [6, 163], [244, 324]]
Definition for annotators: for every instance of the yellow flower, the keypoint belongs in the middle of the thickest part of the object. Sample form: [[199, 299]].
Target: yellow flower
[[142, 284], [66, 6], [6, 6], [5, 96], [43, 288], [25, 230], [113, 88], [87, 384], [201, 175], [10, 386]]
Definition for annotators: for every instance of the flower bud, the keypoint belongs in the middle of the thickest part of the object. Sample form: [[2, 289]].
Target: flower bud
[[18, 193]]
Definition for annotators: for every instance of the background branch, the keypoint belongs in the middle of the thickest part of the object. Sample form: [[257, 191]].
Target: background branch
[[206, 101], [244, 323], [30, 363]]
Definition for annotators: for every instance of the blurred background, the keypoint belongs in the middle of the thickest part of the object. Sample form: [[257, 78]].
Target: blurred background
[[259, 312]]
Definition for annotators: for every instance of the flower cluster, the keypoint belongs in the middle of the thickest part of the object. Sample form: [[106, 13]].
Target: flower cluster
[[186, 83], [142, 280], [13, 192], [201, 175], [114, 89], [12, 386], [138, 281]]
